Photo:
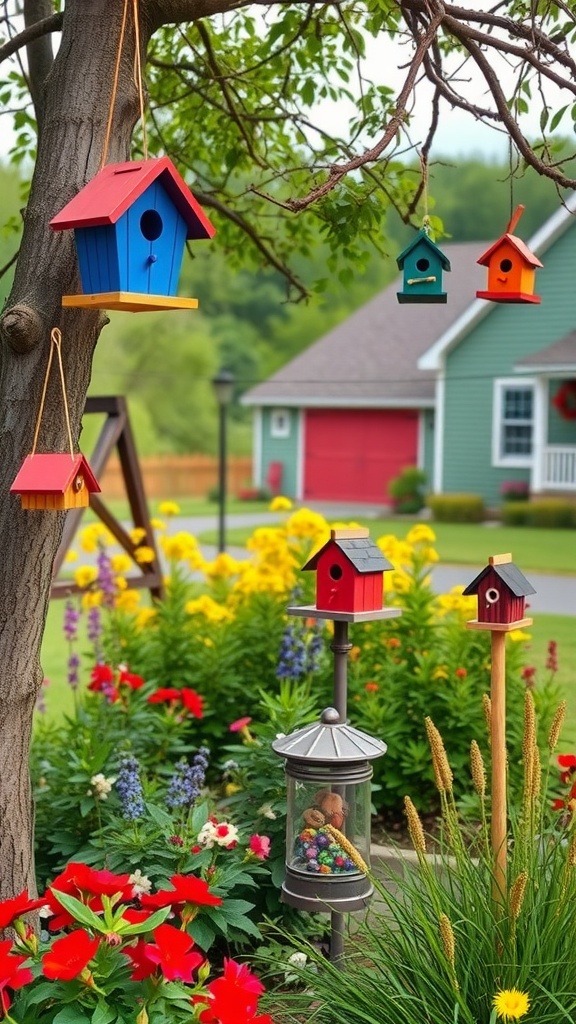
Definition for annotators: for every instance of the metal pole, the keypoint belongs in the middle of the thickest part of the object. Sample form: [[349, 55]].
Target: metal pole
[[222, 478], [340, 646]]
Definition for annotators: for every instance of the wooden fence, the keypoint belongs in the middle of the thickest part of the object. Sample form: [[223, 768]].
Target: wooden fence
[[179, 476]]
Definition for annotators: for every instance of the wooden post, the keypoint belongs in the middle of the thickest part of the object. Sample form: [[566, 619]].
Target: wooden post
[[498, 743]]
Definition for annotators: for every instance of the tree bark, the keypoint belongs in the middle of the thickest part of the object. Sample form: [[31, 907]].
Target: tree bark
[[74, 111]]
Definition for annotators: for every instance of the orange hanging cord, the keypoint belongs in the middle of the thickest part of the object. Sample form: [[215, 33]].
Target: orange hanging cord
[[55, 343], [137, 78]]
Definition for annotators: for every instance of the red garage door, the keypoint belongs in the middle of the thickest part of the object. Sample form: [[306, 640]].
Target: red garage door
[[352, 454]]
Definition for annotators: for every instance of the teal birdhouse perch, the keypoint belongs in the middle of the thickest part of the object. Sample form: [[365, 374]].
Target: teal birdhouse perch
[[422, 264]]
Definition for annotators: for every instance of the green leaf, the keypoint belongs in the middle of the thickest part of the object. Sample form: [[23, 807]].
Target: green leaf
[[70, 1015], [80, 912], [558, 117], [103, 1014], [145, 926], [160, 816]]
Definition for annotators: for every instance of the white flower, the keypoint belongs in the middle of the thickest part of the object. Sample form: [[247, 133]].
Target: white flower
[[140, 883], [215, 833], [267, 812], [102, 785], [298, 959]]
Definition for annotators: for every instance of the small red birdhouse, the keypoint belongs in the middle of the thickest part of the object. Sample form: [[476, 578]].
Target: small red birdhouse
[[502, 590], [349, 572], [54, 482], [511, 267]]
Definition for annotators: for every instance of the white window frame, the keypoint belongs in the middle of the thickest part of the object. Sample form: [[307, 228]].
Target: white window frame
[[501, 385], [280, 422]]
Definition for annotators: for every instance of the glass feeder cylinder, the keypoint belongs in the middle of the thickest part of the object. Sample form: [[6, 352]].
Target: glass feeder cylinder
[[328, 775]]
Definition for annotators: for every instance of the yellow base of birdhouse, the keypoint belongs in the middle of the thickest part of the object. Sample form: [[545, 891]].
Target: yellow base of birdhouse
[[56, 502], [130, 302]]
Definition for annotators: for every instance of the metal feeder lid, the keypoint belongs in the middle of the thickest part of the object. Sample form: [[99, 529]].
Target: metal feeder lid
[[329, 740]]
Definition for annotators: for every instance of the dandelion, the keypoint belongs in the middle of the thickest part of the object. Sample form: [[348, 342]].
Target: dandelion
[[511, 1004]]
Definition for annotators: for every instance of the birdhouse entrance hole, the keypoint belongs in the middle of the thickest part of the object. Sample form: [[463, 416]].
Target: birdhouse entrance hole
[[505, 265], [492, 595], [422, 264], [336, 572], [151, 225]]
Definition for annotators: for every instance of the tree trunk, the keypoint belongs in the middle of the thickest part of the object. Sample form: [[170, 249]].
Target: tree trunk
[[75, 109]]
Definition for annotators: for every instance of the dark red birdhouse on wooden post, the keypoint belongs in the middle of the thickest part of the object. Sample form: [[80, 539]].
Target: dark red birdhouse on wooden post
[[511, 267], [502, 591], [349, 572]]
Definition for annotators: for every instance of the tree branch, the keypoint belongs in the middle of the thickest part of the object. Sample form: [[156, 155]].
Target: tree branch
[[39, 53], [40, 28]]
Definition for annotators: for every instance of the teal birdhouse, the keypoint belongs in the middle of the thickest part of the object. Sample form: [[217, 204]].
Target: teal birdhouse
[[422, 264]]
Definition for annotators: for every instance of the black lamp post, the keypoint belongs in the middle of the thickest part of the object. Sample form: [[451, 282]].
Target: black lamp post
[[223, 384]]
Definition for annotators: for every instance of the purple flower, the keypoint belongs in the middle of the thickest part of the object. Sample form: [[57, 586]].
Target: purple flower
[[129, 787], [94, 626], [73, 666], [106, 578], [187, 780], [71, 619]]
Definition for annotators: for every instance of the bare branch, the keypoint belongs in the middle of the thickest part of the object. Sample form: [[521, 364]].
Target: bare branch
[[39, 52], [40, 28]]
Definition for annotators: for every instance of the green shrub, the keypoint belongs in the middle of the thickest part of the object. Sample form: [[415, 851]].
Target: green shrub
[[558, 513], [407, 490], [515, 513], [457, 508]]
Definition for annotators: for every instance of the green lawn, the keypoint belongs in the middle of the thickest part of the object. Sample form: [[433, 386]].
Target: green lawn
[[188, 507], [542, 550]]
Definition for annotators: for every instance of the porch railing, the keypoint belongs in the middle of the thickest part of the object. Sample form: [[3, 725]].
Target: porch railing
[[559, 467]]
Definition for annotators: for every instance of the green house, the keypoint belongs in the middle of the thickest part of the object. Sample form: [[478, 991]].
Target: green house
[[471, 391]]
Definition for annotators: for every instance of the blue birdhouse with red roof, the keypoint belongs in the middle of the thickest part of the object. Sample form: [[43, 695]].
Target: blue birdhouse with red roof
[[422, 264], [349, 572], [131, 223], [511, 267]]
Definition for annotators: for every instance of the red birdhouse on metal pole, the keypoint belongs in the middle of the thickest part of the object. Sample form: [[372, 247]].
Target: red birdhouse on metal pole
[[349, 572]]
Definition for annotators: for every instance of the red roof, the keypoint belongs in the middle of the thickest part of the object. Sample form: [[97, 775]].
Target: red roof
[[52, 473], [107, 196], [517, 244]]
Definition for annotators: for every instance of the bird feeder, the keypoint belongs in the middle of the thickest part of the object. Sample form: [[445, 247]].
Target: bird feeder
[[328, 774], [54, 481], [511, 267], [422, 264], [349, 572], [131, 223]]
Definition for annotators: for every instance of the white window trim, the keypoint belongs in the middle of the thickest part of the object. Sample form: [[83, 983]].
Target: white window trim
[[278, 429], [501, 384]]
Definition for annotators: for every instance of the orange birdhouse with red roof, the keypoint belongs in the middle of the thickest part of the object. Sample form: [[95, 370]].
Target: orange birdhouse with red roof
[[349, 572], [54, 482], [511, 267]]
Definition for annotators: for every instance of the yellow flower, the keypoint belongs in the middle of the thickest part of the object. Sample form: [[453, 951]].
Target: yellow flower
[[120, 582], [71, 556], [144, 554], [144, 617], [222, 567], [207, 606], [440, 673], [137, 534], [85, 575], [169, 508], [93, 535], [511, 1004], [120, 563], [232, 787], [519, 635], [128, 600], [306, 523], [157, 524], [421, 534], [179, 546], [280, 504], [92, 599]]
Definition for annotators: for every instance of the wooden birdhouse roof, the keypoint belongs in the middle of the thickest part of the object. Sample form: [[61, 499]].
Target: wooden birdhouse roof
[[364, 555], [113, 190], [52, 474], [506, 571], [423, 237], [526, 254]]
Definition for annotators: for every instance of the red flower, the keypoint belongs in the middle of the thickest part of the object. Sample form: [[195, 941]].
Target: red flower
[[239, 724], [100, 675], [12, 975], [87, 885], [568, 763], [135, 682], [17, 907], [192, 701], [70, 955], [461, 673], [260, 846], [166, 693], [371, 687], [187, 889], [172, 952], [143, 966], [233, 998]]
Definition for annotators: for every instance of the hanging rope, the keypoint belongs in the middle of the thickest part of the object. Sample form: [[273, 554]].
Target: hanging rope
[[424, 169], [55, 343], [137, 79]]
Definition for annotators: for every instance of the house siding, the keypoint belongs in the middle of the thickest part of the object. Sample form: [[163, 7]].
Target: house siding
[[490, 351], [427, 455], [280, 449]]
